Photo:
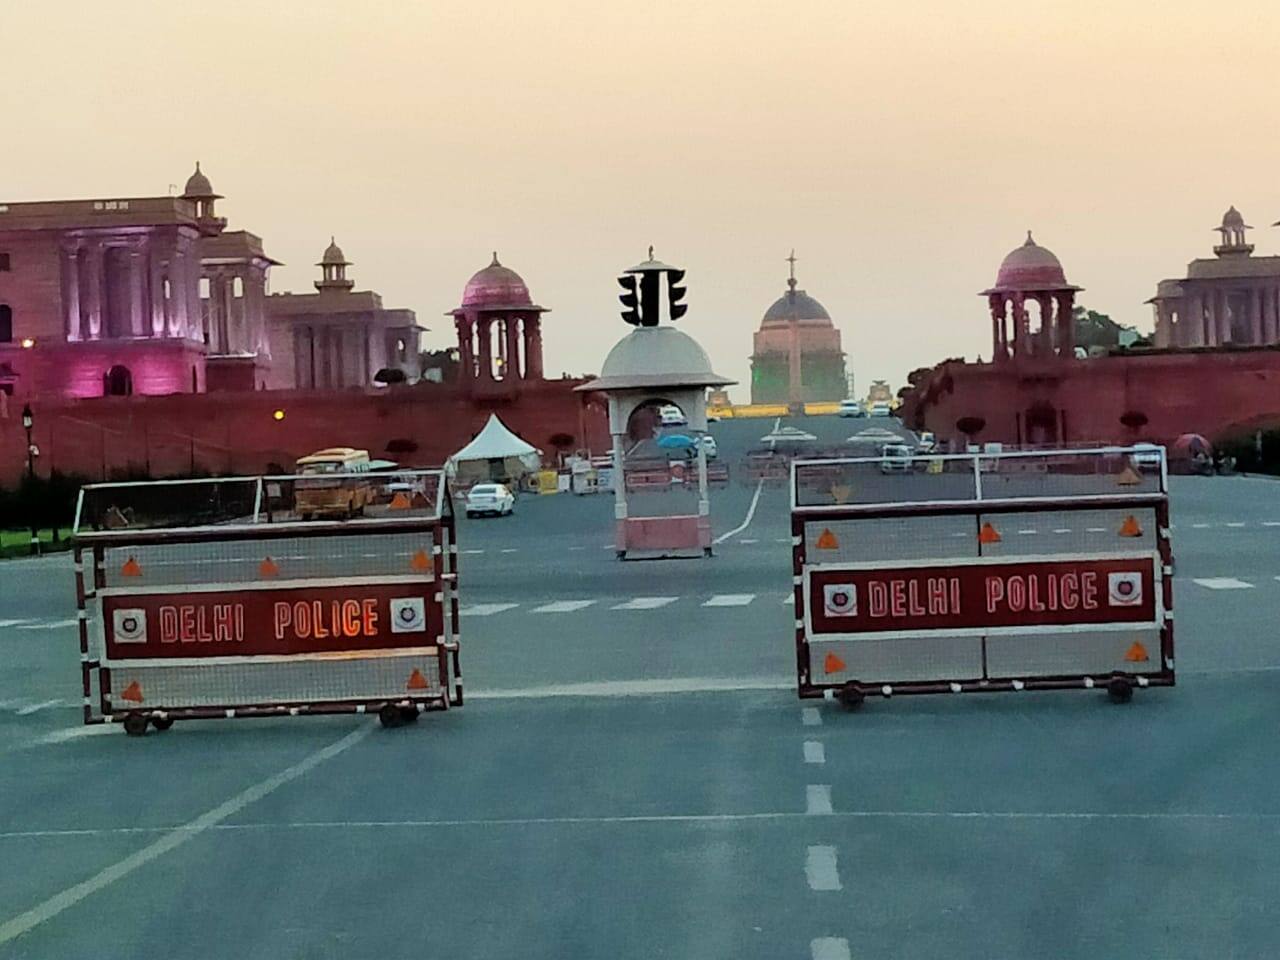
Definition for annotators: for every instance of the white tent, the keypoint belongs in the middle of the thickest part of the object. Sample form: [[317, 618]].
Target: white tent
[[495, 454]]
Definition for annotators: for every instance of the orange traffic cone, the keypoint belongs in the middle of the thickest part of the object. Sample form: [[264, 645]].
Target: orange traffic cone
[[832, 664], [1130, 527], [827, 541], [988, 534]]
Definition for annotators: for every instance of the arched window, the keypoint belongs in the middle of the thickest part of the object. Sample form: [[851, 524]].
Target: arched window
[[237, 287], [6, 323], [117, 382]]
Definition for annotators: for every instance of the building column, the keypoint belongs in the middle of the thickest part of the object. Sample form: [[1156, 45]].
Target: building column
[[484, 350], [512, 369], [1255, 316], [1021, 334], [1163, 335], [466, 361], [71, 290], [1211, 319], [997, 307], [533, 348], [1045, 338], [137, 322], [1271, 314], [1224, 318], [226, 323], [93, 274], [155, 282], [1064, 325]]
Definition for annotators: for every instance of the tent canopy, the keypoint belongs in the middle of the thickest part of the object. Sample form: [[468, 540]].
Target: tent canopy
[[496, 442]]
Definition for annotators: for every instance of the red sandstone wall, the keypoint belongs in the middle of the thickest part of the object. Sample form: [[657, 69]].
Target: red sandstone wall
[[236, 433], [1208, 392]]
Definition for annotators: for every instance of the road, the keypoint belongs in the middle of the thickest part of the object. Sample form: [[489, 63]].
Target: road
[[633, 776]]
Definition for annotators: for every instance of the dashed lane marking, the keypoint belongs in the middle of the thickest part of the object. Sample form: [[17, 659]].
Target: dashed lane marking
[[645, 603], [817, 799], [1222, 583], [820, 868], [814, 752], [1235, 525], [48, 625], [730, 600], [745, 542], [486, 609], [12, 623], [810, 717], [563, 606], [829, 948], [37, 707]]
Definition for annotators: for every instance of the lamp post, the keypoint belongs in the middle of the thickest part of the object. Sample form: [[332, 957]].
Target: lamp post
[[28, 421]]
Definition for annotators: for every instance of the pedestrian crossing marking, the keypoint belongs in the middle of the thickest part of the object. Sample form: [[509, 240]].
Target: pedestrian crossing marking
[[486, 609], [646, 603], [1222, 583], [730, 600], [563, 606]]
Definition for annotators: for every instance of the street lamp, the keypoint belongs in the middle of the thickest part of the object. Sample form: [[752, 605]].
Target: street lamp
[[28, 421]]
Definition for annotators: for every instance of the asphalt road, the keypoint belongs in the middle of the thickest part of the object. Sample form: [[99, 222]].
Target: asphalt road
[[633, 776]]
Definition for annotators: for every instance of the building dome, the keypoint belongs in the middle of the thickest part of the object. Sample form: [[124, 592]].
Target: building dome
[[656, 357], [333, 255], [495, 287], [1030, 267], [198, 186], [797, 305]]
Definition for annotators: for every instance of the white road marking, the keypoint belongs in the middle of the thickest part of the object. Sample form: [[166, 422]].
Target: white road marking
[[36, 707], [12, 623], [1236, 525], [744, 542], [961, 533], [755, 500], [1201, 526], [563, 606], [579, 547], [817, 799], [473, 552], [646, 603], [175, 837], [820, 868], [75, 733], [1062, 530], [782, 540], [730, 600], [810, 717], [49, 625], [829, 948], [1222, 583], [1095, 529], [508, 550], [1271, 523], [1028, 533], [814, 752], [486, 609]]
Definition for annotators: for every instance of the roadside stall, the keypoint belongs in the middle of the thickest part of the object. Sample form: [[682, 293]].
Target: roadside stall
[[495, 455]]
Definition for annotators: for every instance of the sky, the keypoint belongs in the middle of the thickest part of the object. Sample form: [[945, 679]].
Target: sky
[[902, 148]]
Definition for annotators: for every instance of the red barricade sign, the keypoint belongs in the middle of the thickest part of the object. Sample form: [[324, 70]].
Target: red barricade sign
[[270, 621], [977, 594]]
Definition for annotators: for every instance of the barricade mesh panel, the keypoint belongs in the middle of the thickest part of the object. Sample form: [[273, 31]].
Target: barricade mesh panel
[[291, 558], [300, 681], [890, 539], [211, 502], [1073, 653], [1064, 532], [888, 660]]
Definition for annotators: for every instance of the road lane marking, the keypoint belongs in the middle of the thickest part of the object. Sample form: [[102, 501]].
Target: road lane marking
[[817, 799], [563, 606], [1271, 523], [1028, 533], [1062, 530], [789, 599], [814, 752], [646, 603], [12, 623], [730, 600], [810, 717], [755, 498], [1222, 583], [829, 948], [36, 707], [1236, 525], [175, 837], [820, 868], [48, 625], [1201, 526], [486, 609], [745, 542], [75, 733], [1095, 529], [508, 550], [473, 552]]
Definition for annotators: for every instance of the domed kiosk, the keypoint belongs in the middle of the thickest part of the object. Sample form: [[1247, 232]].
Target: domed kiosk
[[1031, 276], [499, 333], [658, 365]]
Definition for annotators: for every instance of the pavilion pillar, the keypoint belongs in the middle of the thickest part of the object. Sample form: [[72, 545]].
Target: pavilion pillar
[[155, 284], [533, 348], [1255, 316], [1211, 319], [1064, 325], [138, 326], [484, 351], [1021, 335], [1224, 317], [93, 274], [1044, 339], [511, 369], [466, 361], [999, 308], [71, 290]]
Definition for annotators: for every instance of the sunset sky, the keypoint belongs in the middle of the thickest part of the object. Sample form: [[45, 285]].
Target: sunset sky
[[901, 148]]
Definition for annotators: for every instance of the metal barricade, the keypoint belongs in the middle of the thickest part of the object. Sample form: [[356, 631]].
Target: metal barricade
[[982, 572], [215, 598]]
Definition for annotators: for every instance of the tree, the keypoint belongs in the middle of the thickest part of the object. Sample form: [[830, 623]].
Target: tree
[[1093, 329]]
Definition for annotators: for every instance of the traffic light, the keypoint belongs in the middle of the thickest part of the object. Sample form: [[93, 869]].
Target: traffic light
[[630, 299], [650, 294], [675, 293]]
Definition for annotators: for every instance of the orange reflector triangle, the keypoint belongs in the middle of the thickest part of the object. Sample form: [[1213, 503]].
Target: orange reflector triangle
[[827, 541], [1128, 477], [132, 693], [419, 500], [1130, 527], [832, 664], [400, 501], [417, 681], [840, 492], [131, 568], [988, 534], [1136, 653], [267, 568], [420, 561]]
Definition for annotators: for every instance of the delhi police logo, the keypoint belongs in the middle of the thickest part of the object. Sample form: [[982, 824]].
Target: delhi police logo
[[408, 615], [129, 625], [840, 600], [1124, 589]]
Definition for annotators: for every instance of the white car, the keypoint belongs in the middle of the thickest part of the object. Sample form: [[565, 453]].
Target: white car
[[1147, 456], [490, 498], [852, 408], [895, 458], [671, 416], [881, 408], [928, 441], [709, 445]]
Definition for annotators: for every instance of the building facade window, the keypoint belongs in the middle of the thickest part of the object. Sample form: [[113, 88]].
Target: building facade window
[[117, 382], [4, 263], [6, 323]]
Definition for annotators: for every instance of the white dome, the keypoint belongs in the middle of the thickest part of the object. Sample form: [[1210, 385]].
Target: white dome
[[656, 356]]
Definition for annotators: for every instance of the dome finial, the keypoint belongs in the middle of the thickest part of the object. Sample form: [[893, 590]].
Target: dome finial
[[791, 280], [495, 260], [1029, 242]]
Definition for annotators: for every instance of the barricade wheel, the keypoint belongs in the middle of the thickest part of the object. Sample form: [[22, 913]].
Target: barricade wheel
[[135, 724], [409, 714], [850, 696], [1120, 690], [389, 715], [162, 723]]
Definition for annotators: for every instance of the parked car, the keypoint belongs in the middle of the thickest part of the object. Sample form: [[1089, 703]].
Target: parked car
[[709, 445], [671, 416], [1147, 456], [492, 499], [881, 408], [851, 408], [928, 442], [895, 458]]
